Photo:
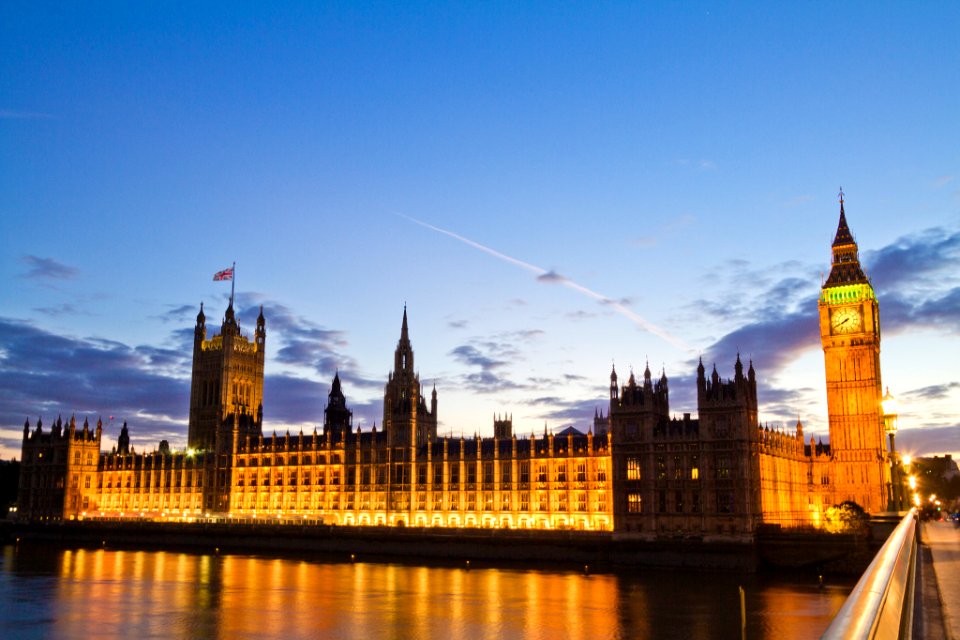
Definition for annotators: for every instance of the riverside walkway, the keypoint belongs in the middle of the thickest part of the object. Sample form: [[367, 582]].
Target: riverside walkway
[[943, 541]]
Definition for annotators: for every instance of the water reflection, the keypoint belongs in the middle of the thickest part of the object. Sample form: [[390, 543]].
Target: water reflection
[[115, 593]]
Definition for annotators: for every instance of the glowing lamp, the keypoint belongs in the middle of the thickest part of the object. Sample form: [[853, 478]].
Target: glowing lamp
[[890, 411]]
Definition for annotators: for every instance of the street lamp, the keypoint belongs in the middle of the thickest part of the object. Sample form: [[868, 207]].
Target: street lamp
[[889, 406]]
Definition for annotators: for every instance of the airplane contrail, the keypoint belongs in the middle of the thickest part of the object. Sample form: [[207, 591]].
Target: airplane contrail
[[551, 276]]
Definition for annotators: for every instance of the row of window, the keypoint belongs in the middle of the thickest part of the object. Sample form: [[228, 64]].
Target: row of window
[[578, 469], [421, 501], [56, 456], [725, 502], [682, 468], [148, 480], [579, 472], [117, 501]]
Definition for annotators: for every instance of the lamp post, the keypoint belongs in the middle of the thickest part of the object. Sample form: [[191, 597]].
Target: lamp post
[[889, 405]]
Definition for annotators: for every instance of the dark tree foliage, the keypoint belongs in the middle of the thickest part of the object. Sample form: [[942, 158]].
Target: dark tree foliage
[[9, 482]]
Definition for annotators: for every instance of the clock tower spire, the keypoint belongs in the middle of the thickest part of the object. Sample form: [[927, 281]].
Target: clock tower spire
[[850, 335]]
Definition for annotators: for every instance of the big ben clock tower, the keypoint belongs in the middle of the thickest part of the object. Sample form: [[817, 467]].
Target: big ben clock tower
[[850, 334]]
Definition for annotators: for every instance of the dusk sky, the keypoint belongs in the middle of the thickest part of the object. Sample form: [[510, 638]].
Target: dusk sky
[[550, 189]]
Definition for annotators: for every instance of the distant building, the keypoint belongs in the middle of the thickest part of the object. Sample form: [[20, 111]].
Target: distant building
[[638, 471]]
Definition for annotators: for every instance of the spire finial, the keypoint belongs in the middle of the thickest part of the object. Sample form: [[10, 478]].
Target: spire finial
[[840, 196]]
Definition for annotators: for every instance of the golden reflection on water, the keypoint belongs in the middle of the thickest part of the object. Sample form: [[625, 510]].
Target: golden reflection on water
[[108, 593]]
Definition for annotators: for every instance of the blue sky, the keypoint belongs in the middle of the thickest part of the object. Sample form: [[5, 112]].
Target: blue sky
[[549, 188]]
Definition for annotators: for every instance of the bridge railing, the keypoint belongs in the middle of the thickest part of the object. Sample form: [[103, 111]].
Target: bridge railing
[[881, 605]]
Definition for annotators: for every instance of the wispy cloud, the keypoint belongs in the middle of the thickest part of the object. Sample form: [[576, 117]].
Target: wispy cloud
[[566, 411], [550, 276], [934, 392], [912, 260], [796, 201], [45, 374], [943, 181], [580, 315], [643, 242], [671, 227], [493, 356], [303, 343], [178, 313], [918, 280], [62, 309], [470, 355], [929, 440], [47, 268], [703, 164]]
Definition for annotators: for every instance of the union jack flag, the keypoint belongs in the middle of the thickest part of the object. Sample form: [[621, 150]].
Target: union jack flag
[[226, 274]]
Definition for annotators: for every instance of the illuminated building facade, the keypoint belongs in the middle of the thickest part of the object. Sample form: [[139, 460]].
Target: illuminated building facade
[[850, 334], [638, 471], [227, 383]]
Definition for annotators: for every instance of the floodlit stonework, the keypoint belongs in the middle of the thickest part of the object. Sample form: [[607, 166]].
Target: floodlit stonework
[[637, 471]]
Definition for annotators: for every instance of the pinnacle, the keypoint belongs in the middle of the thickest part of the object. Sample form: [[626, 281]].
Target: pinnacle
[[843, 237], [404, 332]]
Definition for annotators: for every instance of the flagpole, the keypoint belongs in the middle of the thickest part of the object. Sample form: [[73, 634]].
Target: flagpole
[[233, 271]]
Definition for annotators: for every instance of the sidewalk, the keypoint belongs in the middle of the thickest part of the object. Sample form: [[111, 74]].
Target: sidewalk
[[943, 540]]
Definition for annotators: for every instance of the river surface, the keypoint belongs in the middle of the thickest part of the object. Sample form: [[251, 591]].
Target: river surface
[[51, 592]]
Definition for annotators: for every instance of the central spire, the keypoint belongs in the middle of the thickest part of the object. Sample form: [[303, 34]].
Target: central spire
[[403, 357]]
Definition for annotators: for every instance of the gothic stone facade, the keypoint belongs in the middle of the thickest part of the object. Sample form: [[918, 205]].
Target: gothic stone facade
[[639, 471]]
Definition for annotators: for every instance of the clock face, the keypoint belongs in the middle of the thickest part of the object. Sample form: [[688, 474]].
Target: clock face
[[845, 320]]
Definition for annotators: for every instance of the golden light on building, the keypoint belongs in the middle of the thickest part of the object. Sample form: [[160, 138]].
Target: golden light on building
[[639, 469]]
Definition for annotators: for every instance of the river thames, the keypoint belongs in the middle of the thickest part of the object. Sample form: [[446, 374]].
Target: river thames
[[51, 592]]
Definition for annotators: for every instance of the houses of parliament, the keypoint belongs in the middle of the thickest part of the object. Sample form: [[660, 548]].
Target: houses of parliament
[[637, 471]]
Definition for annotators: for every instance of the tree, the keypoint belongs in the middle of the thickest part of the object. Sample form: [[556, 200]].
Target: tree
[[847, 517]]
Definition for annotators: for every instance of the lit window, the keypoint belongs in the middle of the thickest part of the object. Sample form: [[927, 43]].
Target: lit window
[[723, 467]]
